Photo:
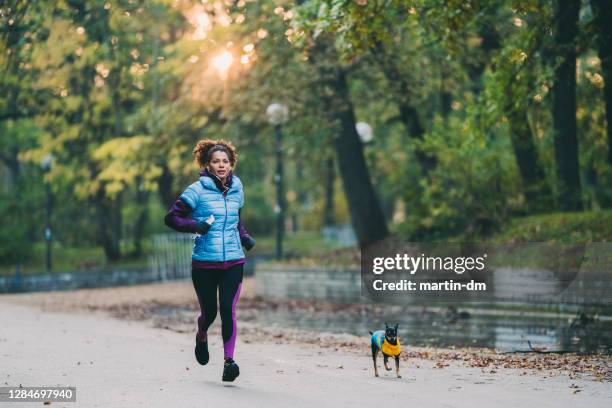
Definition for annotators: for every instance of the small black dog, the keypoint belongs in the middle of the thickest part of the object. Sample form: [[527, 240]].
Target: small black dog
[[388, 343]]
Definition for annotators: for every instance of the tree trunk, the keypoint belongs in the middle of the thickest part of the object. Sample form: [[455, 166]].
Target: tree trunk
[[300, 193], [142, 199], [117, 221], [164, 186], [535, 187], [330, 177], [593, 181], [412, 123], [603, 26], [408, 114], [366, 214], [13, 168], [603, 30], [107, 224], [564, 106]]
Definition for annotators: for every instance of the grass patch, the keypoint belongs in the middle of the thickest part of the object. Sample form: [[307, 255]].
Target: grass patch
[[303, 243], [589, 226], [68, 259]]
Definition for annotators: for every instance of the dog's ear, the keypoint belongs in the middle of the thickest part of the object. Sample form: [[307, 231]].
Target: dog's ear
[[396, 326], [386, 325]]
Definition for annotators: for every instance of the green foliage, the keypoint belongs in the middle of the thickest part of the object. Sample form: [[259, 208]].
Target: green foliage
[[120, 91], [302, 243], [258, 215], [589, 226], [473, 188]]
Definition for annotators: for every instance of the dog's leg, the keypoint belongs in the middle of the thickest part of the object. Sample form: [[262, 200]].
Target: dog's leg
[[397, 358], [374, 354], [386, 360]]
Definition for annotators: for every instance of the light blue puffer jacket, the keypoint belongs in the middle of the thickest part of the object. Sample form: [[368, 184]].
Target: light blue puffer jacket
[[222, 241]]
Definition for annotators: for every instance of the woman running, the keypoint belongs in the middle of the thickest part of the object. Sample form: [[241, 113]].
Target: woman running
[[210, 207]]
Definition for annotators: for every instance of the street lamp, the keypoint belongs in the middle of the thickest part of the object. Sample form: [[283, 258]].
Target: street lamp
[[278, 114], [46, 163], [364, 130]]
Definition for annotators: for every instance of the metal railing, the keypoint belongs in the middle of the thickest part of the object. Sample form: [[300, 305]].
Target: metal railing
[[171, 256]]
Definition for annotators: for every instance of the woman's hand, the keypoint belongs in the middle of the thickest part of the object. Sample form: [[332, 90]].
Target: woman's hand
[[247, 242], [204, 225]]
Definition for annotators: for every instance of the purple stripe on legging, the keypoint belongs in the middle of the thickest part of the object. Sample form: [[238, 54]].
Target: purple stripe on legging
[[228, 348]]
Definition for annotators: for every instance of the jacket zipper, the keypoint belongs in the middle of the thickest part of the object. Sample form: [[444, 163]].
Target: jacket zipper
[[224, 221]]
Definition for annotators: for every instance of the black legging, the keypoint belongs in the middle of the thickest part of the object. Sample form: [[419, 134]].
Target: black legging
[[229, 282]]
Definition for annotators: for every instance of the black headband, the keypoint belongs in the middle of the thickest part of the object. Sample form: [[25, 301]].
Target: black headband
[[216, 148]]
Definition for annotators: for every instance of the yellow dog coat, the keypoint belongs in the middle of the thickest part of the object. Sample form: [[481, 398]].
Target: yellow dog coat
[[378, 338], [390, 349]]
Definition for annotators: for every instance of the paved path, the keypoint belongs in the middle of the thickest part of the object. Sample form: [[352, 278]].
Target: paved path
[[117, 363]]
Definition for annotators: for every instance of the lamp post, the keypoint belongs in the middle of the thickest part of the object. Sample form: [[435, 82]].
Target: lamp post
[[46, 163], [278, 114], [364, 130]]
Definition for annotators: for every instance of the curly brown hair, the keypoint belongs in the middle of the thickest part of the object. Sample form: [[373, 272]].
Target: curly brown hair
[[204, 149]]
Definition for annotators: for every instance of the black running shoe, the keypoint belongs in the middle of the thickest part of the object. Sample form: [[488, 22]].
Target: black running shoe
[[230, 370], [201, 351]]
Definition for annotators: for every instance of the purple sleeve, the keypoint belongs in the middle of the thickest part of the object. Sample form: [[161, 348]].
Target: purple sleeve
[[179, 218], [241, 229]]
